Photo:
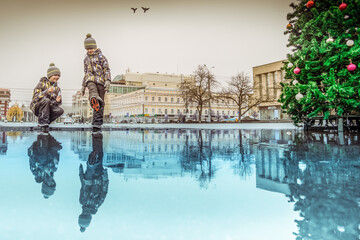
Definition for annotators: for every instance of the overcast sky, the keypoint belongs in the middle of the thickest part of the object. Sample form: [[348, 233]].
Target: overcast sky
[[171, 37]]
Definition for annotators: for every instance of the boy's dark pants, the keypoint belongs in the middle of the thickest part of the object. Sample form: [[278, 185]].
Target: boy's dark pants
[[97, 90], [47, 112]]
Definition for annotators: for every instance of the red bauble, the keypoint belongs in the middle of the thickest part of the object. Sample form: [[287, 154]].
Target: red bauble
[[310, 4], [289, 26], [351, 67], [343, 6], [297, 70]]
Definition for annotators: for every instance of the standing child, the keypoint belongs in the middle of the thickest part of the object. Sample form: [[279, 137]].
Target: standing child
[[47, 99], [97, 79]]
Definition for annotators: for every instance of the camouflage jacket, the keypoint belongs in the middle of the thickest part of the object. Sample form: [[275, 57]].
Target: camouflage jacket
[[96, 68], [94, 189], [41, 91]]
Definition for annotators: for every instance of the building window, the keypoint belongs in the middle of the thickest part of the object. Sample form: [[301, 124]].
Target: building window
[[146, 98], [159, 99], [222, 112], [166, 99], [190, 111], [172, 111], [159, 111], [234, 113], [153, 111], [146, 110], [165, 85], [184, 111], [172, 100], [206, 111], [166, 111], [153, 83], [178, 100], [153, 99], [228, 112]]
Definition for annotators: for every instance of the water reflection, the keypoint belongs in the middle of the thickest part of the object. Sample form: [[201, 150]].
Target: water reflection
[[3, 143], [43, 160], [159, 154], [94, 182], [320, 173]]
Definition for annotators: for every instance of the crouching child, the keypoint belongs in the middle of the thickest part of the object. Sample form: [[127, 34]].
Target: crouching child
[[47, 99]]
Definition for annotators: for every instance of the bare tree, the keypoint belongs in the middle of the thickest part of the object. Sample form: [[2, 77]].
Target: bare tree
[[239, 90], [197, 91]]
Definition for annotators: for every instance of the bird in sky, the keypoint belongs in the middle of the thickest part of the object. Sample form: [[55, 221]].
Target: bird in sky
[[145, 9], [134, 9]]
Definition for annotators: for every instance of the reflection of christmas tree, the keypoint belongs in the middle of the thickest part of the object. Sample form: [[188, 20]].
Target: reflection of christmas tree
[[322, 69], [324, 182]]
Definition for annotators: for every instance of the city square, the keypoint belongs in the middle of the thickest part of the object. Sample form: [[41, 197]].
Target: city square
[[205, 120]]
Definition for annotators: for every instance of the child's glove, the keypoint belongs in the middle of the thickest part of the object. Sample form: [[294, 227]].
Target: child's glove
[[82, 90]]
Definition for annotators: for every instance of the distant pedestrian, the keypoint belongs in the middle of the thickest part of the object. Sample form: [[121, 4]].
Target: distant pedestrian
[[97, 79], [47, 99]]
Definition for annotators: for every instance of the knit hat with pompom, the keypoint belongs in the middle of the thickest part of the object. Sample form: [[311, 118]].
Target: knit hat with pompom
[[89, 42], [52, 70]]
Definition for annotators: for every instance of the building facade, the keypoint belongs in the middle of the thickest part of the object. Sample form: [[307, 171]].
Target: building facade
[[266, 82], [4, 102], [158, 99], [149, 97]]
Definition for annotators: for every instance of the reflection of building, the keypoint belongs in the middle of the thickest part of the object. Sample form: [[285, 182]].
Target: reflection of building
[[3, 143], [270, 172], [81, 144], [320, 174], [4, 102], [266, 81], [157, 154]]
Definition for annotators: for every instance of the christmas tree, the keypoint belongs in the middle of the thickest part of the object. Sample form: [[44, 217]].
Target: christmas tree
[[322, 72]]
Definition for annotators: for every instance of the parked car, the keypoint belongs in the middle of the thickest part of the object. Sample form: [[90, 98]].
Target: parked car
[[68, 121]]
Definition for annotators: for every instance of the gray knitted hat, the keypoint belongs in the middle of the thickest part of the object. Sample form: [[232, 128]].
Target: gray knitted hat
[[89, 42], [52, 70]]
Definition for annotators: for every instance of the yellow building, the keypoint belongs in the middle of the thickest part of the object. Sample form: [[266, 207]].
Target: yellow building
[[158, 99], [266, 80]]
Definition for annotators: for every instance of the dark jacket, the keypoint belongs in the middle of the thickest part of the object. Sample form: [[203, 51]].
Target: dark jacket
[[96, 68], [41, 91]]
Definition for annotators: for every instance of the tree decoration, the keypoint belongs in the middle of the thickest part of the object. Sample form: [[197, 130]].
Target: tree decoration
[[350, 43], [297, 70], [343, 6], [295, 82], [330, 39], [346, 17], [289, 26], [351, 67], [290, 65], [299, 96], [310, 4]]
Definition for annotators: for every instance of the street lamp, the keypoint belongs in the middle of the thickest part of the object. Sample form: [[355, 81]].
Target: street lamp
[[209, 96]]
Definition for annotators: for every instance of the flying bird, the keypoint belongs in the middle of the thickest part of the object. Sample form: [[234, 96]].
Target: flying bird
[[145, 9], [134, 9]]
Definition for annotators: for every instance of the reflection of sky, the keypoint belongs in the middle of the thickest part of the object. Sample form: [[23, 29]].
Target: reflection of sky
[[230, 207]]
